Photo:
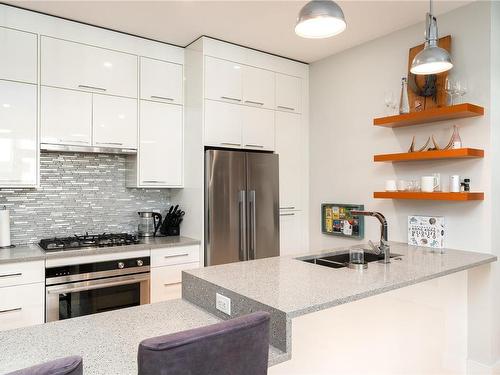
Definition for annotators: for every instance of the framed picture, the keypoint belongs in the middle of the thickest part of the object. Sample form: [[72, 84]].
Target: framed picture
[[427, 231], [336, 220]]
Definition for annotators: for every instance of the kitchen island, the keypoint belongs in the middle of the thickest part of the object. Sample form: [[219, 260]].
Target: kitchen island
[[301, 296]]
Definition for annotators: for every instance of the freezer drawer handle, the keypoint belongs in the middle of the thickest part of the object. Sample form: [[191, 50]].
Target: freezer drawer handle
[[12, 275], [243, 224], [176, 255], [253, 232], [11, 310]]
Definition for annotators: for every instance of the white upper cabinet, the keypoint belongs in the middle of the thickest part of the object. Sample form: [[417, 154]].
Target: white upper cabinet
[[66, 117], [223, 123], [288, 93], [161, 81], [258, 128], [18, 55], [81, 67], [161, 145], [288, 145], [114, 121], [18, 134], [258, 87], [223, 80]]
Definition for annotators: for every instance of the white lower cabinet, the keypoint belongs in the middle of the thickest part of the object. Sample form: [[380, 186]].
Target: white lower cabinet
[[66, 117], [291, 232], [166, 270], [22, 294], [166, 281], [18, 134], [21, 305], [114, 121], [258, 128], [161, 145]]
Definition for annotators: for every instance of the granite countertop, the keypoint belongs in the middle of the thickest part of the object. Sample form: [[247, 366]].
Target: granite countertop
[[34, 252], [296, 288], [108, 342]]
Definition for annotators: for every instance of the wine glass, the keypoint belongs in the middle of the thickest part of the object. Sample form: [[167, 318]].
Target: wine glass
[[450, 88], [461, 89], [390, 102]]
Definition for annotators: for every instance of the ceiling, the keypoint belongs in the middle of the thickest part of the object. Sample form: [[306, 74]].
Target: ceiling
[[264, 25]]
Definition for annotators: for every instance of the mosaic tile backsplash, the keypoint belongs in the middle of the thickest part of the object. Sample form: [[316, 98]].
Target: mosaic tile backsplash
[[78, 193]]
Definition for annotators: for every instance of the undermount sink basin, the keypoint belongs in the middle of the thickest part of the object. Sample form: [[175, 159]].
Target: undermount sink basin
[[342, 260]]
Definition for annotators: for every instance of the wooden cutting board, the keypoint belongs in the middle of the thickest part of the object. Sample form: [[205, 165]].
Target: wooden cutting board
[[439, 97]]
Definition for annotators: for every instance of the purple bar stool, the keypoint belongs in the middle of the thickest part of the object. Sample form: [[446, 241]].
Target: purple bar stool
[[233, 347], [62, 366]]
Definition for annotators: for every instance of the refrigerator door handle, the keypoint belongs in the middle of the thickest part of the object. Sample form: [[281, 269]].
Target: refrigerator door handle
[[253, 226], [243, 225]]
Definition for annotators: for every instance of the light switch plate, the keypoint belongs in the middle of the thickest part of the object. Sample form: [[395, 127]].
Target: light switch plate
[[223, 303]]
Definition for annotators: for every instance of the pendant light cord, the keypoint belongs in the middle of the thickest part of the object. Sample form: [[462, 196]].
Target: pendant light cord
[[430, 8]]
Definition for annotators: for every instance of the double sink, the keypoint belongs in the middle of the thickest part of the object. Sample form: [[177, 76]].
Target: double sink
[[341, 260]]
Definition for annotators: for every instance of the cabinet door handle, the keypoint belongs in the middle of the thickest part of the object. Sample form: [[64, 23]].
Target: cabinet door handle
[[252, 102], [10, 310], [154, 182], [230, 144], [73, 141], [287, 214], [92, 87], [176, 255], [229, 98], [252, 145], [109, 143], [287, 208], [289, 108], [18, 274], [162, 98]]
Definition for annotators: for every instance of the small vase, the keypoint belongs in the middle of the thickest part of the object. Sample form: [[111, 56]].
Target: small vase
[[456, 141]]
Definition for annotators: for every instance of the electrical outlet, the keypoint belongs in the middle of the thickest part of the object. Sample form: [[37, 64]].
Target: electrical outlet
[[223, 303]]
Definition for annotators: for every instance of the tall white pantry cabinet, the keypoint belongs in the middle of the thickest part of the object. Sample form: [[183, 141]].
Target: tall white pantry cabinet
[[242, 99]]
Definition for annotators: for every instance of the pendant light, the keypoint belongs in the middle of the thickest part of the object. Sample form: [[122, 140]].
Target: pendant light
[[432, 59], [320, 19]]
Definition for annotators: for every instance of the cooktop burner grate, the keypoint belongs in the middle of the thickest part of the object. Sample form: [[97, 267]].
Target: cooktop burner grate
[[88, 240]]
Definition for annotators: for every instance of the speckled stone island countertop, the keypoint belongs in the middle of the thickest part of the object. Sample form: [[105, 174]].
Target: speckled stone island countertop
[[287, 287], [34, 252], [108, 342]]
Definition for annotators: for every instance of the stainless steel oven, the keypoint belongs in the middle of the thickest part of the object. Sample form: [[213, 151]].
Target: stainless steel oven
[[83, 289]]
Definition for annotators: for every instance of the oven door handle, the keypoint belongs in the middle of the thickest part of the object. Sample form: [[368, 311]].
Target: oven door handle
[[96, 284]]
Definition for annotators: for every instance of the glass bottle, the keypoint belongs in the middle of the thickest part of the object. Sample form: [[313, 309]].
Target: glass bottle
[[404, 103], [456, 141]]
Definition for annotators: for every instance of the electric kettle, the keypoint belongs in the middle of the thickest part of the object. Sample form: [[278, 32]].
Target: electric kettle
[[149, 223]]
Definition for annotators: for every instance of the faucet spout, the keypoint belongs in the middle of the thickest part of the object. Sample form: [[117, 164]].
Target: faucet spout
[[384, 243]]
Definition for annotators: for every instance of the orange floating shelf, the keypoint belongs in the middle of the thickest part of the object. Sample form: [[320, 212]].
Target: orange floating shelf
[[436, 196], [459, 153], [431, 115]]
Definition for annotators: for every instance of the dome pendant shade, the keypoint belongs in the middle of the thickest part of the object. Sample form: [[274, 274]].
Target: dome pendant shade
[[320, 19], [432, 59]]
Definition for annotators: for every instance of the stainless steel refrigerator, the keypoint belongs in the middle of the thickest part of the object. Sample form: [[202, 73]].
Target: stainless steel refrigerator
[[241, 206]]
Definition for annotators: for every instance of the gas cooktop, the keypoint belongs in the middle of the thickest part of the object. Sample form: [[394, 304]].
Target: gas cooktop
[[88, 240]]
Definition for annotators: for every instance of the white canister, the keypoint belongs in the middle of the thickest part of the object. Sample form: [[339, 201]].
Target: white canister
[[455, 183], [4, 228], [428, 184], [390, 185]]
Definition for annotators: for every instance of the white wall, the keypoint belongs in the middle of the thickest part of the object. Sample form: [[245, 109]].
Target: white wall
[[347, 92]]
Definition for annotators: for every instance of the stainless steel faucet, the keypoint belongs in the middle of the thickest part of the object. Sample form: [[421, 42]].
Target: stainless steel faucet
[[383, 247]]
